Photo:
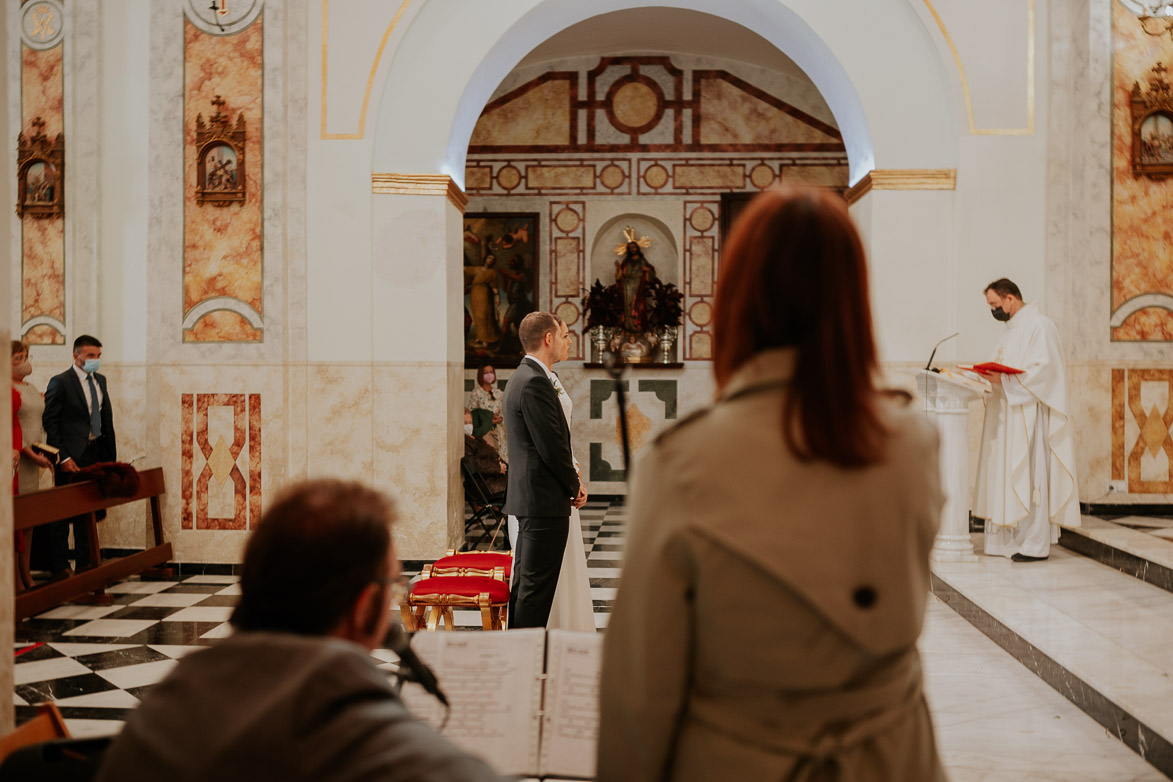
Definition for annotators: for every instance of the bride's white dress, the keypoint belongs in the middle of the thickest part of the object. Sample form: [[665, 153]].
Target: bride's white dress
[[572, 608]]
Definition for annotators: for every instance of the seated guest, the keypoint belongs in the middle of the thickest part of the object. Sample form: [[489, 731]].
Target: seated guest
[[295, 694], [777, 559], [487, 458]]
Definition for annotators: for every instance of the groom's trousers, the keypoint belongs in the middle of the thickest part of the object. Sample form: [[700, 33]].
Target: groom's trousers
[[537, 560]]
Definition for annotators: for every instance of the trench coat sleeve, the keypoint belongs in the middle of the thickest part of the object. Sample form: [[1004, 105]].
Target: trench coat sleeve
[[648, 646]]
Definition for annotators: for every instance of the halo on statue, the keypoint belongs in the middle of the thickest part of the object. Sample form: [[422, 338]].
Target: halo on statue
[[629, 238]]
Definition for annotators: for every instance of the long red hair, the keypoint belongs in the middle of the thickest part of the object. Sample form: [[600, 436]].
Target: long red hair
[[793, 274]]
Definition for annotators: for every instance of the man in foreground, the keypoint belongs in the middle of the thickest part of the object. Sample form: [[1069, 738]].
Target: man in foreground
[[1026, 485], [295, 694]]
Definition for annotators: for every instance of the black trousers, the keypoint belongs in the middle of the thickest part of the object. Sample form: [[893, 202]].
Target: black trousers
[[537, 561], [51, 542]]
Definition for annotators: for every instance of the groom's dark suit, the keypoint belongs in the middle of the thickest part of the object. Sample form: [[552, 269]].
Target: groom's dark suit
[[542, 485], [67, 428]]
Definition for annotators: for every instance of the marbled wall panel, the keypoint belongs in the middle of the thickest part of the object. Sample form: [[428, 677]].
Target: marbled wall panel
[[713, 177], [221, 452], [42, 96], [223, 245], [561, 177], [826, 176], [538, 114], [415, 435], [732, 115], [221, 444], [701, 229], [223, 326], [341, 440], [1142, 234], [1148, 324], [1149, 405]]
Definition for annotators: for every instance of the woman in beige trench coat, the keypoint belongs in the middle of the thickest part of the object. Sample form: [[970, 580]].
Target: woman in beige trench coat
[[776, 564]]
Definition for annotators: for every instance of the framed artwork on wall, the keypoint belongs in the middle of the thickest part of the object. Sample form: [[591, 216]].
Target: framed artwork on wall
[[220, 158], [40, 173], [1152, 126], [500, 285]]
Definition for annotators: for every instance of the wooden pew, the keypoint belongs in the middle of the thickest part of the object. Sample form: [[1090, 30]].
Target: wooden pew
[[85, 499]]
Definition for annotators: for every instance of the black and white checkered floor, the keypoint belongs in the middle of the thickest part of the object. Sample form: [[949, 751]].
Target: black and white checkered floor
[[96, 662]]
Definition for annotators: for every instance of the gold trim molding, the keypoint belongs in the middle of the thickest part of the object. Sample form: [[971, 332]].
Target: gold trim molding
[[420, 184], [903, 179], [362, 117], [1030, 76]]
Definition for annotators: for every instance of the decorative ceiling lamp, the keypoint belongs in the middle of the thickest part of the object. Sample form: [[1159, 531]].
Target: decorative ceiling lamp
[[1156, 16]]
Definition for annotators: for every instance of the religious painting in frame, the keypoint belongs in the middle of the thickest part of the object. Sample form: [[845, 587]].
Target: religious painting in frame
[[40, 173], [500, 285], [1152, 126], [220, 157]]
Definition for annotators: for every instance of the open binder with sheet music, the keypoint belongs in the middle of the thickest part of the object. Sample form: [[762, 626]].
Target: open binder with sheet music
[[527, 701]]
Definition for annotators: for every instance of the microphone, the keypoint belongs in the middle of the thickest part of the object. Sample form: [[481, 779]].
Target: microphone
[[929, 365], [398, 641], [614, 364]]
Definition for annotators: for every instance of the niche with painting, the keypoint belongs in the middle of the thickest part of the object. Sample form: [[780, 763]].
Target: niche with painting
[[40, 173], [220, 158], [1152, 126]]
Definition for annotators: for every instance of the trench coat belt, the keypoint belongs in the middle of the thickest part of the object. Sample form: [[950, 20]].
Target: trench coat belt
[[880, 708]]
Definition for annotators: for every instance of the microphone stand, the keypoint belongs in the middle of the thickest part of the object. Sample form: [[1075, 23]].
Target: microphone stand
[[614, 364], [928, 366]]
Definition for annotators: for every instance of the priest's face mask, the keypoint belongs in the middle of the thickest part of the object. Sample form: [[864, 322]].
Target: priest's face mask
[[1000, 307]]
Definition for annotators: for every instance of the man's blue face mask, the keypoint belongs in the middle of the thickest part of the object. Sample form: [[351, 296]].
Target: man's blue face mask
[[91, 365]]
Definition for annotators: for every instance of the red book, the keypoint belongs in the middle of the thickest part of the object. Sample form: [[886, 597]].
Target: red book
[[994, 366]]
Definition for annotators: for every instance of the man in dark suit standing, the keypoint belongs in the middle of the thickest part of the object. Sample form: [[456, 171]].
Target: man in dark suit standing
[[543, 483], [79, 422]]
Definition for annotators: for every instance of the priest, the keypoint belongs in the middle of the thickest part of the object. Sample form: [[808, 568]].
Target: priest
[[1026, 485]]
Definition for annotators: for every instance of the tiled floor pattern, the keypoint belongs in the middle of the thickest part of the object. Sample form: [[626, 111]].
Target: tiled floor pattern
[[995, 720]]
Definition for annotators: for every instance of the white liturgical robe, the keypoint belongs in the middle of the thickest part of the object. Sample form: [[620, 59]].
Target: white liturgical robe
[[1026, 483]]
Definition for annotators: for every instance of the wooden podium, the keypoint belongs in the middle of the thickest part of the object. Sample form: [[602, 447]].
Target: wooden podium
[[946, 401]]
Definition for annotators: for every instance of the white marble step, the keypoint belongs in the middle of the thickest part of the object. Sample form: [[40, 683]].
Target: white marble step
[[1101, 637], [1146, 554]]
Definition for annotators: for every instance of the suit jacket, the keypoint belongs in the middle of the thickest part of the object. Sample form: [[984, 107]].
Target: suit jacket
[[67, 417], [769, 607], [542, 478]]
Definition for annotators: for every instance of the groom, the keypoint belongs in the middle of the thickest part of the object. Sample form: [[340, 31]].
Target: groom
[[543, 483]]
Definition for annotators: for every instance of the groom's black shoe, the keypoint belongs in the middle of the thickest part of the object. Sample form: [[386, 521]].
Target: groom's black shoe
[[1025, 558]]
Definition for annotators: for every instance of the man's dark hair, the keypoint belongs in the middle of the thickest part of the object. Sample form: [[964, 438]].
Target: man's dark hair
[[1003, 287], [85, 341], [315, 550], [534, 328]]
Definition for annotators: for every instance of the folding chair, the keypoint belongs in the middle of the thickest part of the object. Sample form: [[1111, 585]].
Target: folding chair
[[486, 506]]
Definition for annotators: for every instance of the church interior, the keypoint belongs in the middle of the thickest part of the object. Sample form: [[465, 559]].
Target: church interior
[[299, 227]]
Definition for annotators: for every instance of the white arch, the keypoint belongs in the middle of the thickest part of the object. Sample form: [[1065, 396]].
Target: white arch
[[877, 69]]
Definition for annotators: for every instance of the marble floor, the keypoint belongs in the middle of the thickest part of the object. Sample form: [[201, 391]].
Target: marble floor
[[995, 719]]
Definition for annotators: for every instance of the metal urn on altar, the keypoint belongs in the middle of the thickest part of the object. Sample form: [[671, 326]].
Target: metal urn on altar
[[667, 344]]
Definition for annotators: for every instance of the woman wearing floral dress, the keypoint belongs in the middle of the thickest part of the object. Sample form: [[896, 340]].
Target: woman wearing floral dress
[[486, 396]]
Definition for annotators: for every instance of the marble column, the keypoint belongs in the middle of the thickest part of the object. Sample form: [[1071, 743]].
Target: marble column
[[417, 378]]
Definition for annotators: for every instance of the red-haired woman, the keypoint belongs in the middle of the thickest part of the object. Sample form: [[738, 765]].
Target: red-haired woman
[[776, 566]]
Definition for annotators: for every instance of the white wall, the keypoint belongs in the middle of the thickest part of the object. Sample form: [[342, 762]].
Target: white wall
[[124, 194]]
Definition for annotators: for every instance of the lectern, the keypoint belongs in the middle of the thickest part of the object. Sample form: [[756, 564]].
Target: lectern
[[946, 400]]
